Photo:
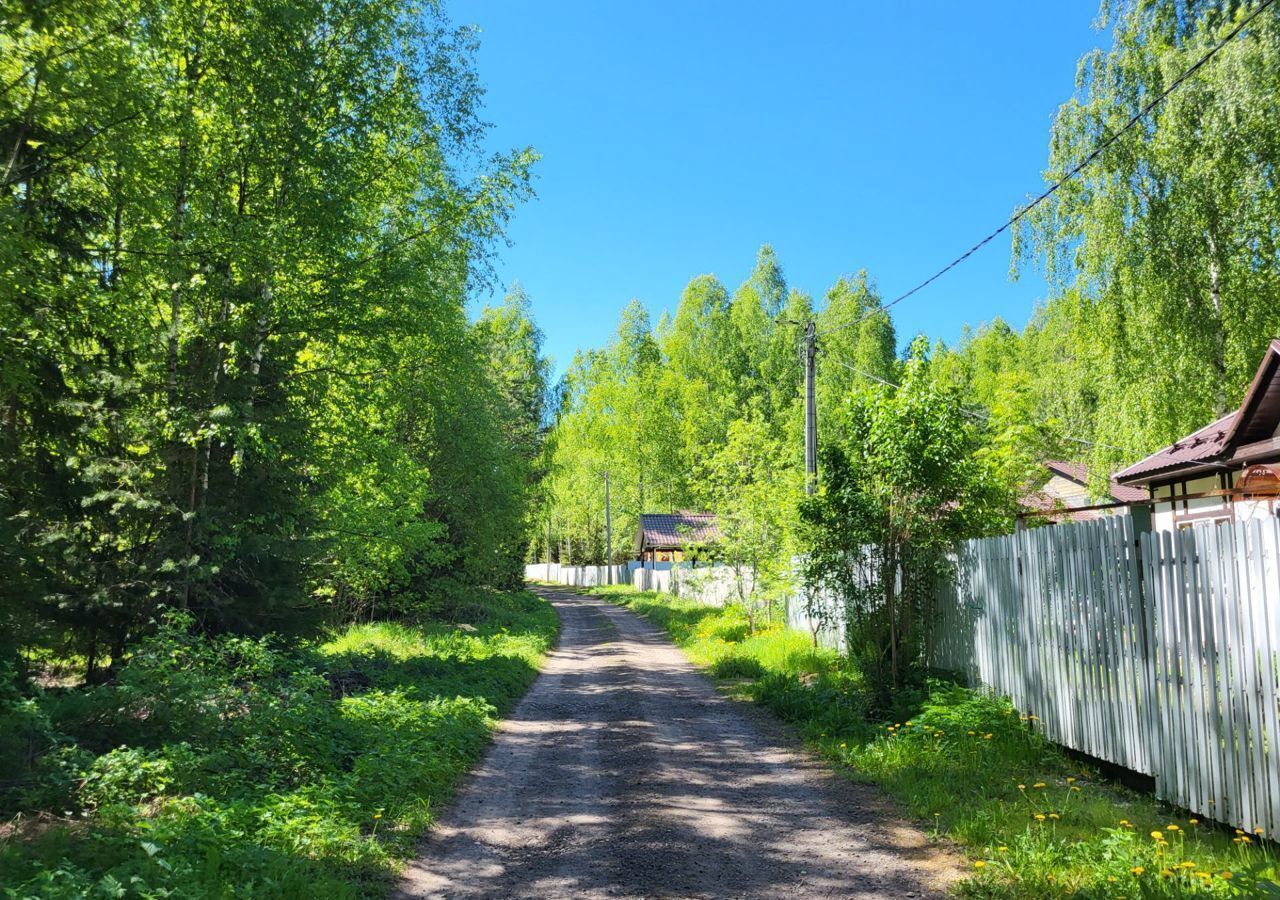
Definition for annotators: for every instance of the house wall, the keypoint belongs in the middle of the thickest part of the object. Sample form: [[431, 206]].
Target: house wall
[[1179, 513], [1066, 490]]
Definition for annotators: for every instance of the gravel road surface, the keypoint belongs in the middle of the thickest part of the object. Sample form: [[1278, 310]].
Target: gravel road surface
[[622, 773]]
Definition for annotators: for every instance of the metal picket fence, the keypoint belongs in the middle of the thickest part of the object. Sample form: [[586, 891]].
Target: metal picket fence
[[1157, 652]]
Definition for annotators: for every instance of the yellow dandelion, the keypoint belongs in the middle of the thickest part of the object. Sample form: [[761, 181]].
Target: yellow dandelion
[[1002, 849], [1038, 785], [1070, 778], [1172, 828], [1194, 821], [978, 863], [1075, 787], [1138, 870], [1157, 835], [1022, 787], [1257, 831], [1227, 875], [987, 736], [1111, 878], [1167, 873], [1053, 815], [1124, 823], [1187, 864], [1039, 817]]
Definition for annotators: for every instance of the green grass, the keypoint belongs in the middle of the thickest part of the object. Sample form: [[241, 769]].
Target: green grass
[[1034, 822], [236, 767]]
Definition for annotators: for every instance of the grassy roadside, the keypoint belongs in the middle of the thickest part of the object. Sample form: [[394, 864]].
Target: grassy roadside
[[1034, 822], [234, 767]]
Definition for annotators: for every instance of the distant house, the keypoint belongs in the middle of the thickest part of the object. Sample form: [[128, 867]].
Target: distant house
[[1229, 470], [671, 537], [1065, 495]]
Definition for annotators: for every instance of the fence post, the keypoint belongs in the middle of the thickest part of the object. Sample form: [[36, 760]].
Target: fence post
[[1140, 515]]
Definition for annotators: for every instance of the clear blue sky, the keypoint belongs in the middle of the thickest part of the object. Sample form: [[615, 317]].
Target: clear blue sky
[[678, 137]]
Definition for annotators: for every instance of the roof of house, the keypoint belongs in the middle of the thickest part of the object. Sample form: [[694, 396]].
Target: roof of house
[[1079, 473], [673, 530], [1240, 437]]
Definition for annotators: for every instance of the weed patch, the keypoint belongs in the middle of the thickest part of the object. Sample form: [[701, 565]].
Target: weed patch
[[231, 766]]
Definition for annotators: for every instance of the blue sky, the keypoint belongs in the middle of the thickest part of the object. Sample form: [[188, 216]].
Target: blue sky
[[678, 137]]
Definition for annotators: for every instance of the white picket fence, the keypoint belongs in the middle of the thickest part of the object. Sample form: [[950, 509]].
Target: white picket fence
[[1158, 652], [577, 576], [714, 585]]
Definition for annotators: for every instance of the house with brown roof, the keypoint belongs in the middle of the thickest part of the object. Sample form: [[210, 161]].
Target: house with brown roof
[[1229, 470], [1065, 495], [674, 537]]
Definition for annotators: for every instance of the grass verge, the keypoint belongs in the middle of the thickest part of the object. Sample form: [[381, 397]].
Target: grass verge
[[1034, 821], [236, 767]]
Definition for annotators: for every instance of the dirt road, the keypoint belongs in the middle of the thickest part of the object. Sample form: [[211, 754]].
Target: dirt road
[[623, 774]]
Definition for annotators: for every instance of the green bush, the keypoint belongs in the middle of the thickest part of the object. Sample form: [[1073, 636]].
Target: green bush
[[734, 666], [231, 766]]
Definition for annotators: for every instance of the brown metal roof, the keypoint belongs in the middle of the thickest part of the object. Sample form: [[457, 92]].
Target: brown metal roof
[[670, 531], [1238, 436]]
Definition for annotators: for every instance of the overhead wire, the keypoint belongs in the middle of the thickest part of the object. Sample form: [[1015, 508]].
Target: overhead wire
[[1071, 173]]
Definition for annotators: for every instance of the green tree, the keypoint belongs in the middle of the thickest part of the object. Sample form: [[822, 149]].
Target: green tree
[[905, 479], [1169, 236]]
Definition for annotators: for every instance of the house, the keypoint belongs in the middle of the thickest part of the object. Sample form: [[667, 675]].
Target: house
[[1065, 495], [1229, 470], [674, 537]]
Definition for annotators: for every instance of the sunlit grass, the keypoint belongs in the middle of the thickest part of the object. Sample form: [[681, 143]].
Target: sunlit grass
[[234, 767], [1034, 821]]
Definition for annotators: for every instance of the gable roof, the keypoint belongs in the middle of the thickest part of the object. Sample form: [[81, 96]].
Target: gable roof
[[1236, 438], [674, 530]]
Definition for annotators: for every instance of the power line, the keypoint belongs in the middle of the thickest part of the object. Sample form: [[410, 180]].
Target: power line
[[1075, 170]]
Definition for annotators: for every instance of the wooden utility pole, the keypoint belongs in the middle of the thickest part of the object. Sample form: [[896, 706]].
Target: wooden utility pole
[[810, 409], [608, 533]]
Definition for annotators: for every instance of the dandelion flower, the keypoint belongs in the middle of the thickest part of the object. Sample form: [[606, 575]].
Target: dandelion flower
[[978, 863], [1038, 785], [1157, 835], [1257, 831], [1022, 787], [1194, 821], [1039, 817], [1053, 815], [1172, 828], [987, 736], [1187, 864], [1002, 849], [1070, 778], [1226, 875], [1138, 870], [1075, 787]]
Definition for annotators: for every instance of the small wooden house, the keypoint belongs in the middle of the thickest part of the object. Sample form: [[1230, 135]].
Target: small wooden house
[[674, 537], [1229, 470], [1064, 496]]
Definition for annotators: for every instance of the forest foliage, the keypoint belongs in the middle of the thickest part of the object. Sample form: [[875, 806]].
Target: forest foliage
[[237, 374]]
